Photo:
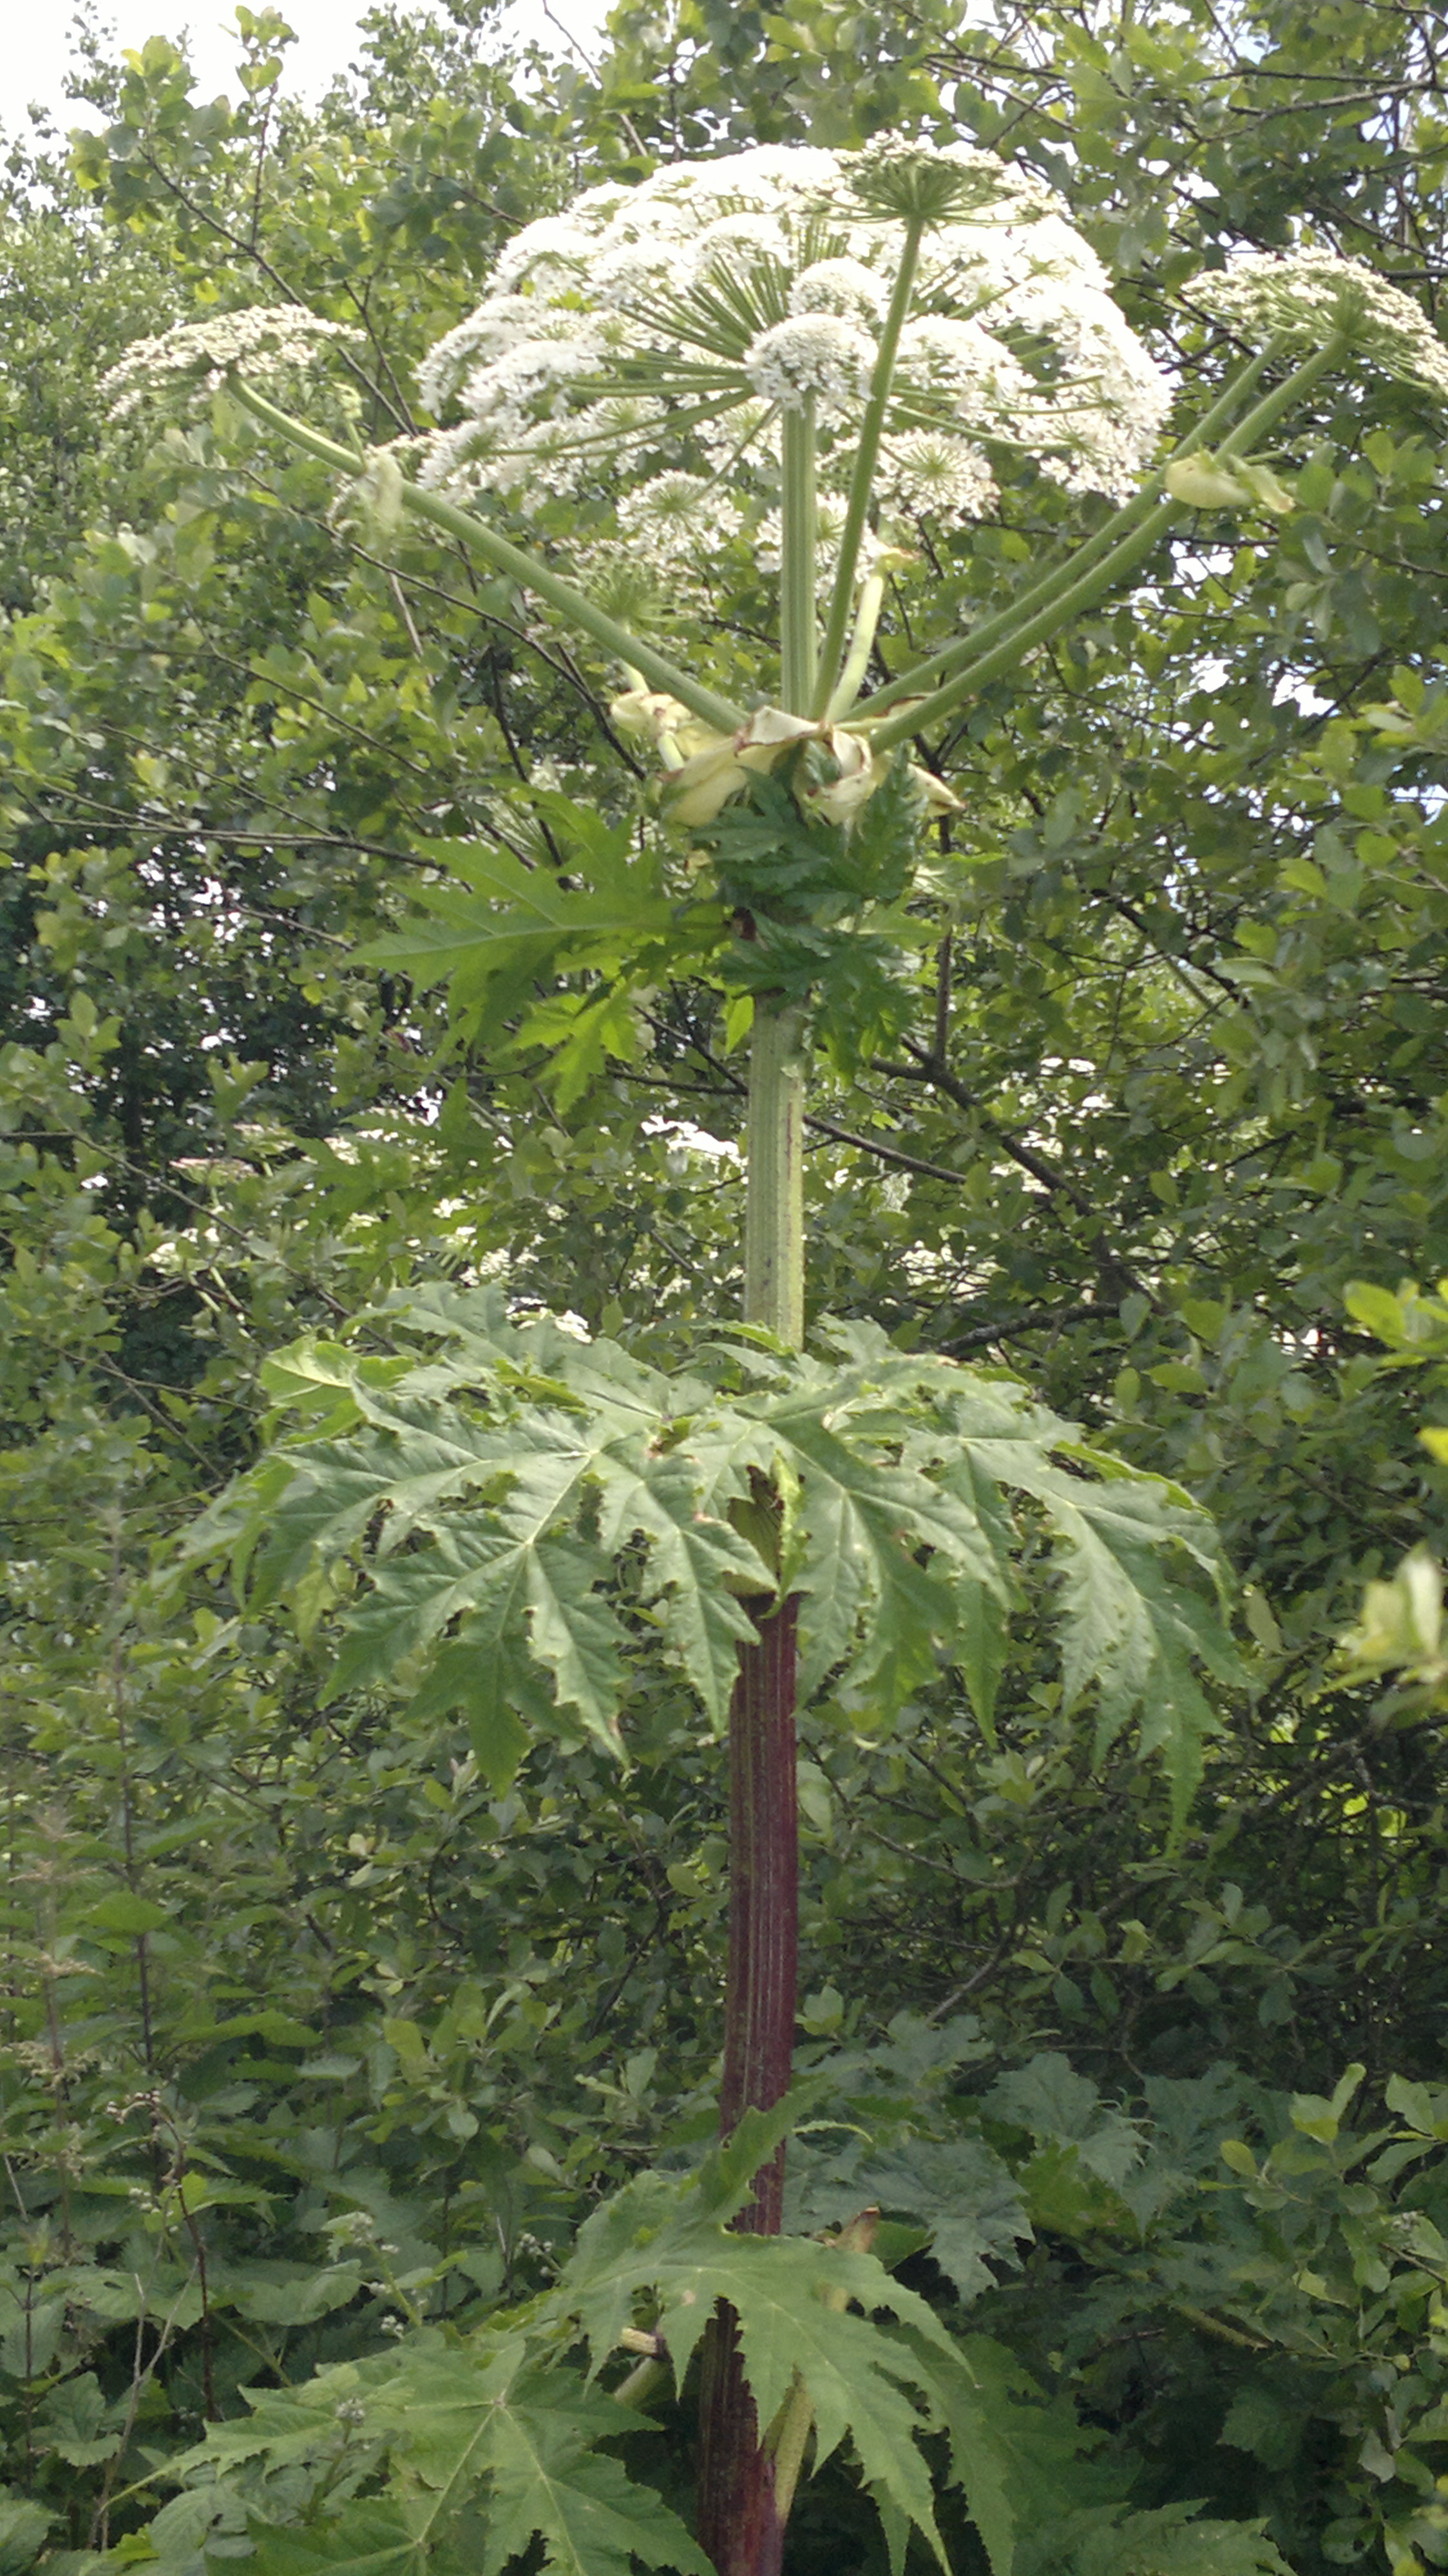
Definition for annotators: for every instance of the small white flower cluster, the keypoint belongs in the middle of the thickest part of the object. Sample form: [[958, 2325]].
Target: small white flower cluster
[[931, 475], [817, 354], [677, 522], [1307, 295], [658, 332], [256, 339]]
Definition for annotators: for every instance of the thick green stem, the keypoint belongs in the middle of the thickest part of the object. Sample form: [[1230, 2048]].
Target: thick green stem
[[572, 606], [798, 626], [739, 2522], [774, 1187], [1075, 591], [774, 1178], [867, 456]]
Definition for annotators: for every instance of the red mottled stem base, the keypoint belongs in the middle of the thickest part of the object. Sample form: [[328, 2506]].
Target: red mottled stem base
[[763, 1896], [738, 2525]]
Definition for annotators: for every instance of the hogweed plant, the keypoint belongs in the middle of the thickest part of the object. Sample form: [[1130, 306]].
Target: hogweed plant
[[795, 371]]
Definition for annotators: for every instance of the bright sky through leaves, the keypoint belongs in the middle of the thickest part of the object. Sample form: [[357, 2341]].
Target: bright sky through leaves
[[38, 44]]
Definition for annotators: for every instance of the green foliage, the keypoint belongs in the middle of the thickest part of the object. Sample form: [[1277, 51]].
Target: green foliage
[[1169, 1088], [825, 908], [507, 2417], [826, 905], [485, 2442], [515, 928]]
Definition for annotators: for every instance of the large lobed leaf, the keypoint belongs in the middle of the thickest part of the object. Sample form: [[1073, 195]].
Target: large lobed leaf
[[673, 2243], [496, 922], [519, 1500]]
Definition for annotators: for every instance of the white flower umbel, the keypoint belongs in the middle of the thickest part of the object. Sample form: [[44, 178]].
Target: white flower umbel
[[1305, 297], [845, 346], [727, 295], [263, 339], [677, 519], [934, 476], [487, 334], [817, 354]]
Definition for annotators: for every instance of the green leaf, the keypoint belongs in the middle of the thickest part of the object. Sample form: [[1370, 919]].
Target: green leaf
[[23, 2527], [1059, 2107], [1022, 2463], [694, 1560], [124, 1912], [471, 1673], [72, 2422], [976, 2411], [523, 1495], [369, 2539], [511, 925], [667, 2238], [1167, 2542], [284, 2294], [575, 1633], [466, 2429], [547, 2482], [964, 2194]]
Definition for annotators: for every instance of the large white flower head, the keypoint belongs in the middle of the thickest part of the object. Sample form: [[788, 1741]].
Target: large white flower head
[[718, 296], [259, 339], [1305, 297]]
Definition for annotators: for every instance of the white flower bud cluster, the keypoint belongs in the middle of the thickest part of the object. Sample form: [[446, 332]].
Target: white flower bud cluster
[[1307, 295], [661, 331], [258, 339], [817, 354]]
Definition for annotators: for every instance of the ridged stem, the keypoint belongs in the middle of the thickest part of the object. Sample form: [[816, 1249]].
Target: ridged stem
[[1075, 590], [571, 606], [774, 1185], [867, 456], [739, 2525], [763, 1914], [798, 625]]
